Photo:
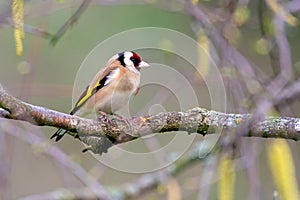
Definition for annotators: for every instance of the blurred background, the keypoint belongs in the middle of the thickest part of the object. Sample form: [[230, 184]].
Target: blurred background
[[33, 167]]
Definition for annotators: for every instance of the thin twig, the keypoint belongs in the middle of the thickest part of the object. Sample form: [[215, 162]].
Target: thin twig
[[70, 22], [273, 53], [94, 187], [32, 29], [246, 68]]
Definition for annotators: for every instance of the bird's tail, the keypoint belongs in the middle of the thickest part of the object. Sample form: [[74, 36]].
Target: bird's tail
[[58, 134]]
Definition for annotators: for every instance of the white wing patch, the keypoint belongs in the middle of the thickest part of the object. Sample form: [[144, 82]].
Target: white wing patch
[[112, 76]]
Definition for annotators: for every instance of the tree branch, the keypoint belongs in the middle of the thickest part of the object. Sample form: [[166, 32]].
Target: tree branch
[[100, 134], [73, 19], [138, 187]]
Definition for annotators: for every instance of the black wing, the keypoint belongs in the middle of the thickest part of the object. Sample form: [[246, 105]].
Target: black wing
[[89, 92]]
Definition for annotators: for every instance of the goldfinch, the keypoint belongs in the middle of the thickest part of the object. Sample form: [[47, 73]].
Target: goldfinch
[[111, 88]]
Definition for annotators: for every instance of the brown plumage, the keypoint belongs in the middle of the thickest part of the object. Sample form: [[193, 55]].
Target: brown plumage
[[111, 88]]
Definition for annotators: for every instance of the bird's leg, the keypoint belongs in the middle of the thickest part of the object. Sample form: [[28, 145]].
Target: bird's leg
[[104, 116], [117, 115]]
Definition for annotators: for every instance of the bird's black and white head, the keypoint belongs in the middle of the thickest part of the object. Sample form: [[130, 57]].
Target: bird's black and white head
[[132, 61]]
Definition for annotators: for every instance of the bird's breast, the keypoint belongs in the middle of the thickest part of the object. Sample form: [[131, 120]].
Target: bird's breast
[[117, 94], [128, 83]]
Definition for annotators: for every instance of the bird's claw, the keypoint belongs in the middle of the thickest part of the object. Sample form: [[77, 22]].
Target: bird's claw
[[104, 116]]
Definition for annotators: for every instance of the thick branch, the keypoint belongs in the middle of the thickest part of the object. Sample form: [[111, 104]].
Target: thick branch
[[100, 135]]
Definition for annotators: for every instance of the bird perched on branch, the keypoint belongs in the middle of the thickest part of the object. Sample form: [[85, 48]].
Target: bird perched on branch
[[111, 88]]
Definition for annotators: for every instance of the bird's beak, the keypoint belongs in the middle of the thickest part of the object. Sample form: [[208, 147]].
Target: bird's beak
[[144, 64]]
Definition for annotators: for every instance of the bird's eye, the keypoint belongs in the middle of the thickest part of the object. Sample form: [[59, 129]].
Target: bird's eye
[[135, 61]]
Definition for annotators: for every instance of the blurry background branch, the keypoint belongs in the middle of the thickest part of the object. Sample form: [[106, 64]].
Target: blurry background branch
[[5, 18], [100, 135], [139, 187], [70, 22]]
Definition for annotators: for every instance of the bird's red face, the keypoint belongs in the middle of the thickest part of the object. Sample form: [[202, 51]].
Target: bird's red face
[[132, 60], [136, 59]]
